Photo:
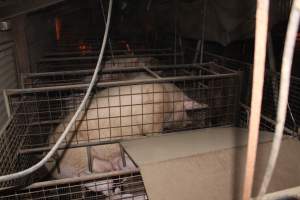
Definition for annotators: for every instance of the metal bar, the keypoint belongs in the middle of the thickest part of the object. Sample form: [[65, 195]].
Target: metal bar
[[181, 49], [224, 68], [122, 155], [64, 146], [223, 58], [286, 66], [197, 51], [114, 69], [82, 178], [274, 82], [6, 45], [22, 78], [119, 83], [96, 52], [207, 70], [109, 40], [6, 101], [108, 57], [282, 194], [203, 31], [287, 130], [249, 65], [4, 127], [151, 72], [90, 159]]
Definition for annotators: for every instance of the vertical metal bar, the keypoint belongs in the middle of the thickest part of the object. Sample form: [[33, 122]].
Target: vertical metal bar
[[274, 79], [181, 49], [261, 32], [6, 101], [175, 32], [197, 51], [22, 77], [109, 40], [287, 59], [90, 159], [203, 31], [123, 155], [238, 92]]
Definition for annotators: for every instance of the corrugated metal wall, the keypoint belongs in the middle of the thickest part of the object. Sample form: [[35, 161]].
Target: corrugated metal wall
[[8, 73]]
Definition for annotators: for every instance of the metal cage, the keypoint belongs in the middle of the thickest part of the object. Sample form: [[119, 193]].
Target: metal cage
[[39, 115], [270, 94]]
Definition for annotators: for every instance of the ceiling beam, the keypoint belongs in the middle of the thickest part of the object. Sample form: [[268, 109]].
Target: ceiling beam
[[27, 6]]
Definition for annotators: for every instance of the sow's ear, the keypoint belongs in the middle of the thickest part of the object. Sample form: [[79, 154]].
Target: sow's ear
[[190, 104]]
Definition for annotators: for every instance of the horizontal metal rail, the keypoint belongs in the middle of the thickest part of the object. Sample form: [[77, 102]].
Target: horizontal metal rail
[[120, 83], [96, 52], [112, 70], [43, 60], [287, 130], [90, 177]]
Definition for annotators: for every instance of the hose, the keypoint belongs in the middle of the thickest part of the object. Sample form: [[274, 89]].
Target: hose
[[286, 66], [80, 108], [261, 32]]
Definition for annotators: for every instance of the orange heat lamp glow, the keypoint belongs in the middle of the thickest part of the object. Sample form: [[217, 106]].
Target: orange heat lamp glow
[[58, 28], [84, 48]]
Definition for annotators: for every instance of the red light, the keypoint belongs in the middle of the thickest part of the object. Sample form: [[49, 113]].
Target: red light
[[57, 28]]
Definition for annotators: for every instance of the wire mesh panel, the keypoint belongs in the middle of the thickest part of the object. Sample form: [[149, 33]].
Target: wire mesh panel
[[113, 186], [12, 139], [270, 94], [174, 99]]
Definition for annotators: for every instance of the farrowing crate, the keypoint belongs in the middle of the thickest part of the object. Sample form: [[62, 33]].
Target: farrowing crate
[[77, 61], [209, 84], [40, 110], [75, 188]]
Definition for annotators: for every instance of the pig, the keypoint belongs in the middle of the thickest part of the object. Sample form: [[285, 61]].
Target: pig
[[121, 112], [118, 195], [126, 62], [105, 186], [130, 62]]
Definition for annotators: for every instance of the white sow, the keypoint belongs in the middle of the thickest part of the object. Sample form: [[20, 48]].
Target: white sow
[[119, 112], [125, 63], [131, 62]]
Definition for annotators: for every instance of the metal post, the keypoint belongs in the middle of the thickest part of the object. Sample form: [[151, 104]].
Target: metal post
[[203, 31], [122, 155], [7, 107], [261, 33]]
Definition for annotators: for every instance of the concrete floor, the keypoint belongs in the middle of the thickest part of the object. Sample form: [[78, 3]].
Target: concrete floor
[[209, 164]]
